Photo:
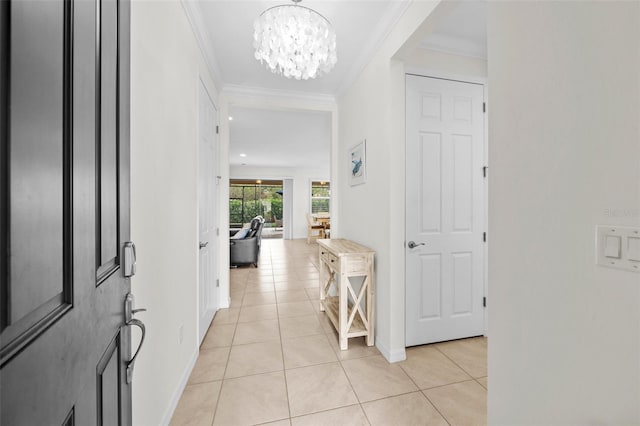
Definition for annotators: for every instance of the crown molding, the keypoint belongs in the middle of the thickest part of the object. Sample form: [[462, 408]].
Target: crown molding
[[194, 16], [392, 15], [455, 46], [323, 101]]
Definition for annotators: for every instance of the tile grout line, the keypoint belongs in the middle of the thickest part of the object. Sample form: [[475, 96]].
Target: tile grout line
[[243, 293], [420, 391], [284, 370], [451, 359], [327, 410], [435, 407], [353, 389], [281, 349], [425, 396], [224, 373]]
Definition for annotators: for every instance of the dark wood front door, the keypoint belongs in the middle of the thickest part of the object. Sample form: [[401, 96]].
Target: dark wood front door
[[65, 212]]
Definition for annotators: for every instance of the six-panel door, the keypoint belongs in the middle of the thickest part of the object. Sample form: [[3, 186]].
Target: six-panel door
[[444, 210]]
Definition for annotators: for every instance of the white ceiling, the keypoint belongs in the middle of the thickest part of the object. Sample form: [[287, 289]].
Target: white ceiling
[[463, 32], [360, 26], [302, 139], [271, 138]]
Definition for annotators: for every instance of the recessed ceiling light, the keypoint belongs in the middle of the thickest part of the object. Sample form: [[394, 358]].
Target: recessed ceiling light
[[230, 118], [243, 155]]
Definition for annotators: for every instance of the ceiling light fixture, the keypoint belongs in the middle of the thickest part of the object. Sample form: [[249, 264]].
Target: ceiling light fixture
[[243, 155], [295, 41]]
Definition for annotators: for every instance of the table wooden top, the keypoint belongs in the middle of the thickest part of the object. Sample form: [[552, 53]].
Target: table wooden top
[[340, 246]]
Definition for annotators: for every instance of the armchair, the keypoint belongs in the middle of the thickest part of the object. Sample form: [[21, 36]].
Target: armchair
[[244, 246]]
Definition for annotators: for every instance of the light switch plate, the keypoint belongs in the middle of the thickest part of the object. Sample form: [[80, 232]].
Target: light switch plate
[[618, 247], [612, 246]]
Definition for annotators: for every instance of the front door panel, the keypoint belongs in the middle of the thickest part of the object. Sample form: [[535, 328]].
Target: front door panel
[[65, 186]]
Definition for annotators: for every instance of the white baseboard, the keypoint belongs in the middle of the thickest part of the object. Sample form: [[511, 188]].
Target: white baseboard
[[225, 303], [396, 355], [168, 414]]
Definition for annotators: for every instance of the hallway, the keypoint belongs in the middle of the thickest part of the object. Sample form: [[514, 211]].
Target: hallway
[[273, 357]]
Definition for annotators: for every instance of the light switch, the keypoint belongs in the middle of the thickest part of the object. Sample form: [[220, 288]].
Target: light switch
[[612, 246], [618, 247], [633, 248]]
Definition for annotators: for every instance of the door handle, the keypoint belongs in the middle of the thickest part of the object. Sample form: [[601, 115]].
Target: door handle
[[412, 244], [135, 322], [203, 245], [130, 321]]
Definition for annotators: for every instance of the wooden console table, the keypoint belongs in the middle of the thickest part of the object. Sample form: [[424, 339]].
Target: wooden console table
[[350, 313]]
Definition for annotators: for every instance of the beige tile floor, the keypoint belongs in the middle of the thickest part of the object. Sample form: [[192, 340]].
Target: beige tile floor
[[273, 358]]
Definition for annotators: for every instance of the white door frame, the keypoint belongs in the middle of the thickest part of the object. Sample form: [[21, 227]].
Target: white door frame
[[287, 208], [434, 73]]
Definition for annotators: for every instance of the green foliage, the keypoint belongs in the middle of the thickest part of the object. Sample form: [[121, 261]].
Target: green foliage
[[248, 201], [235, 212], [252, 209], [320, 206], [235, 191], [276, 207], [320, 191]]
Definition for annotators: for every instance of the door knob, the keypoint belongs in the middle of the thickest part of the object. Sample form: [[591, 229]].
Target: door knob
[[203, 245], [412, 244]]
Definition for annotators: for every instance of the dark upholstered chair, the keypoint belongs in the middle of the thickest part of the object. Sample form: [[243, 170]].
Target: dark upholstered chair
[[244, 246]]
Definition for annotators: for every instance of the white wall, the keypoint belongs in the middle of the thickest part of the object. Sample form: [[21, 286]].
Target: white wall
[[564, 157], [373, 109], [373, 213], [165, 66], [301, 188]]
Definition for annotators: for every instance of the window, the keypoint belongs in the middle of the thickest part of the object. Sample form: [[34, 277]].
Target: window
[[249, 198], [320, 196]]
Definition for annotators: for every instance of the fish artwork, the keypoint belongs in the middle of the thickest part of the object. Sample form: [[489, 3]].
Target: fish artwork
[[356, 166]]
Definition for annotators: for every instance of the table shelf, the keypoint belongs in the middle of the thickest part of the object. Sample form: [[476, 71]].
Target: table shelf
[[332, 309]]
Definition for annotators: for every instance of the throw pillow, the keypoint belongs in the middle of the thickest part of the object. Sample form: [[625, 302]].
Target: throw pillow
[[241, 234]]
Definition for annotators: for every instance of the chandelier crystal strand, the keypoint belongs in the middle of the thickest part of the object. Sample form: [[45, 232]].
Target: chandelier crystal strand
[[295, 41]]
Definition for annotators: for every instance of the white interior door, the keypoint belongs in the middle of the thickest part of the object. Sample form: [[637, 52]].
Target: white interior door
[[444, 210], [207, 196]]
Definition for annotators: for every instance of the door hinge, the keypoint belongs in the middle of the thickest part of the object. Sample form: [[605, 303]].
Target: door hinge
[[484, 237], [217, 232], [484, 302], [484, 171], [217, 129], [484, 107], [217, 282]]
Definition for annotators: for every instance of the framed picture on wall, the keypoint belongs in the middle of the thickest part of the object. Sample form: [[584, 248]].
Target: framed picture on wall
[[358, 163]]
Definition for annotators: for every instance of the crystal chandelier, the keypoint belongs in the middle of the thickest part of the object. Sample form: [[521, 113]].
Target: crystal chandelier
[[295, 41]]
